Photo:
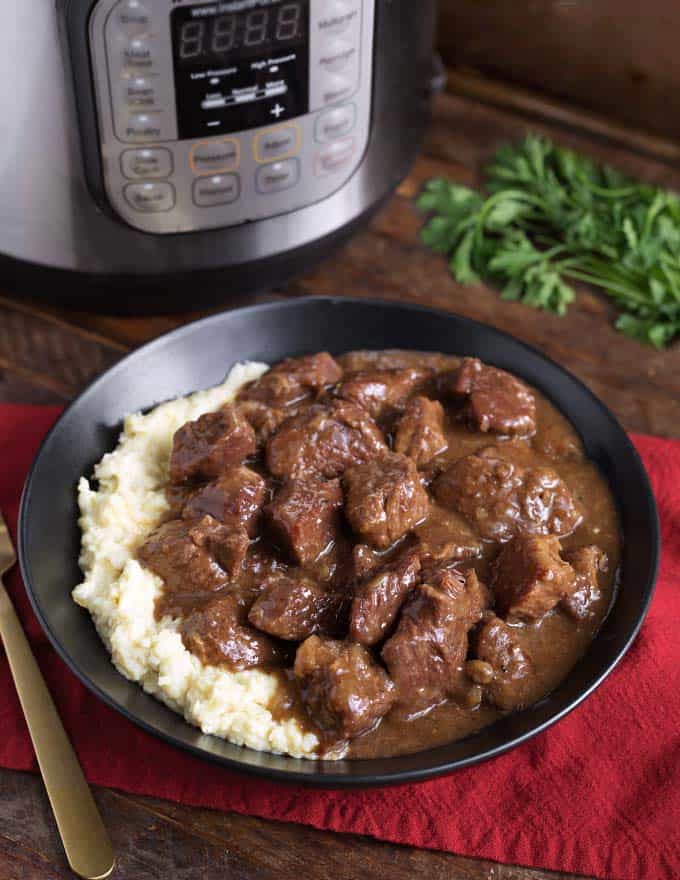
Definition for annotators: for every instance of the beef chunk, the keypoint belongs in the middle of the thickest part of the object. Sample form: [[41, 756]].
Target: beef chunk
[[177, 495], [323, 441], [186, 567], [219, 635], [445, 535], [228, 546], [293, 606], [380, 391], [263, 419], [587, 563], [365, 561], [202, 449], [494, 400], [377, 600], [529, 577], [303, 517], [345, 692], [420, 431], [233, 499], [469, 594], [384, 499], [294, 379], [426, 654], [498, 644], [502, 498]]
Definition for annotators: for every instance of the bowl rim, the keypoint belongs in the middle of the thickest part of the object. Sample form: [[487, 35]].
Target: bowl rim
[[329, 779]]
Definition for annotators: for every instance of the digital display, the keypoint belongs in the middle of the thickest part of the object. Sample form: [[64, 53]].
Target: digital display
[[240, 64]]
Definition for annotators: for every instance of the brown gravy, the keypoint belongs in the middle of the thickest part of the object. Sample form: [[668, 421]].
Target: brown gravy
[[555, 642]]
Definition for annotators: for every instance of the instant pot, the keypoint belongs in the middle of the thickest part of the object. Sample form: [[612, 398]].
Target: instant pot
[[234, 141]]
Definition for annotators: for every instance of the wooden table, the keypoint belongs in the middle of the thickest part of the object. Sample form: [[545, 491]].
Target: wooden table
[[48, 354]]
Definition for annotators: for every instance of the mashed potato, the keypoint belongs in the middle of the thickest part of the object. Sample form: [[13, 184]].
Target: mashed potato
[[119, 593]]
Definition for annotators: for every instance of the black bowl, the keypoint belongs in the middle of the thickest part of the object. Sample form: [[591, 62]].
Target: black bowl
[[197, 356]]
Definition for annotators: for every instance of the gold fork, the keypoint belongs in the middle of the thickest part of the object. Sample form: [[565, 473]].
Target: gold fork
[[86, 842]]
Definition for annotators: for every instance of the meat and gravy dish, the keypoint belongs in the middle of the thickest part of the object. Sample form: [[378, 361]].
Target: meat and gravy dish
[[360, 557]]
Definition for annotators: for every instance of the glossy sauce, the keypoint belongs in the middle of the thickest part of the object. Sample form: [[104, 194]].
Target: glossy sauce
[[555, 643]]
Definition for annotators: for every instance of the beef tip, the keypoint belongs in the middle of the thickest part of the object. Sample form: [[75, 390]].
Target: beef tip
[[501, 497], [499, 645], [420, 431], [263, 419], [293, 607], [323, 441], [303, 517], [378, 599], [425, 656], [530, 577], [233, 499], [316, 371], [228, 546], [293, 380], [365, 561], [470, 596], [587, 563], [202, 449], [380, 392], [177, 495], [493, 399], [344, 690], [219, 635], [445, 535], [384, 499], [186, 567]]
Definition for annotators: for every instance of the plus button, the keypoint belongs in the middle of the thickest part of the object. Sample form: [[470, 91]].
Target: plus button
[[277, 110]]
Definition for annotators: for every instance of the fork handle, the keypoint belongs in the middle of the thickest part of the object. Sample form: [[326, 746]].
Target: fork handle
[[86, 842]]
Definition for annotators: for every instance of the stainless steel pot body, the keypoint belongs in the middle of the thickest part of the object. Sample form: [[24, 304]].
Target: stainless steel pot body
[[50, 220]]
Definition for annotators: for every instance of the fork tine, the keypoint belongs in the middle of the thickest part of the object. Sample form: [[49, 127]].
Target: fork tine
[[7, 554]]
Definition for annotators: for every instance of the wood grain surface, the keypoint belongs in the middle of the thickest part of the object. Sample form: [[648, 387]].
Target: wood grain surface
[[616, 57], [48, 354]]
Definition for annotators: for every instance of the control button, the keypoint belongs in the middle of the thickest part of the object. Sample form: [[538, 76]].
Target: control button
[[335, 123], [150, 198], [337, 17], [132, 18], [220, 189], [139, 91], [335, 157], [153, 162], [337, 56], [143, 127], [277, 176], [213, 157], [336, 88], [138, 54], [277, 143]]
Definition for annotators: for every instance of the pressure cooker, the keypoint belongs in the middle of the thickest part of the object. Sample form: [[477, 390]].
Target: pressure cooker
[[148, 143]]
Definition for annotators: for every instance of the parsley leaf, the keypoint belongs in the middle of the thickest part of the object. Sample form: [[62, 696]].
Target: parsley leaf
[[553, 216]]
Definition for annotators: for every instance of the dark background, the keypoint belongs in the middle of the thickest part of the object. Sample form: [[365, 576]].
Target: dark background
[[619, 58]]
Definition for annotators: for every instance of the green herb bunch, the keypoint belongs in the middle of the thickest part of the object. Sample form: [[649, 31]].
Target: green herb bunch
[[552, 216]]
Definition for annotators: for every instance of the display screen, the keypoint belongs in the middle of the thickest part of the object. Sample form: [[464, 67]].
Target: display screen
[[240, 64]]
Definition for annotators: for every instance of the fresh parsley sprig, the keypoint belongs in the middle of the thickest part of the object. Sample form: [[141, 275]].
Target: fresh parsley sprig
[[552, 216]]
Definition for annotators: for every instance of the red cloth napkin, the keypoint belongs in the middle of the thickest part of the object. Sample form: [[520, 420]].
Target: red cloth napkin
[[599, 793]]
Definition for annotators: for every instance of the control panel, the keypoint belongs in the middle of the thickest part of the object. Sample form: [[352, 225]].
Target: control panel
[[212, 114]]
